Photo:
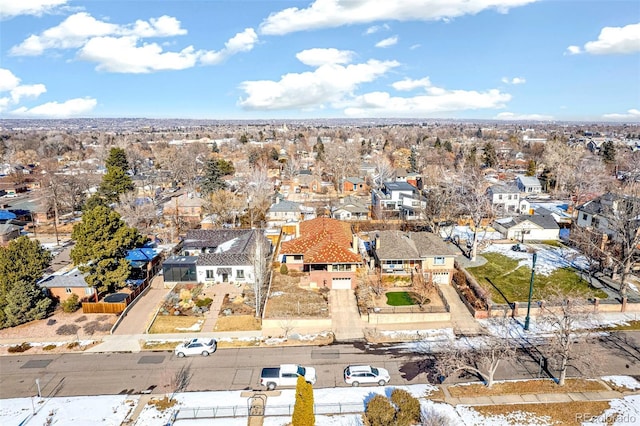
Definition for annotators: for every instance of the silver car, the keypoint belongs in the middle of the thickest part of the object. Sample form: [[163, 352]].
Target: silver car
[[204, 347], [354, 375]]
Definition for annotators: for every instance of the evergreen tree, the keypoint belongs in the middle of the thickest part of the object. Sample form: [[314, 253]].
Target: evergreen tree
[[25, 302], [490, 157], [102, 240], [114, 183], [303, 408], [608, 152], [479, 133], [214, 170], [438, 143], [22, 261], [413, 161], [447, 146], [117, 158], [243, 139], [214, 147], [94, 201], [472, 157], [531, 168], [273, 153], [318, 148]]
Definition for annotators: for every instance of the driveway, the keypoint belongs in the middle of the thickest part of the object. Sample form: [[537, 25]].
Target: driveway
[[345, 319], [139, 316]]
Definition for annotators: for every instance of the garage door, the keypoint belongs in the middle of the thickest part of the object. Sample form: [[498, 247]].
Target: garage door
[[341, 283], [441, 277]]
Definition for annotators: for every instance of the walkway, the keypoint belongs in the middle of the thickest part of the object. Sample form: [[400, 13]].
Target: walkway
[[217, 292], [345, 319], [140, 315], [461, 318]]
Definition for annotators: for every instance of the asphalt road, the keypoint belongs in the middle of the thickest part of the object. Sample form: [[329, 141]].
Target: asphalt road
[[239, 369]]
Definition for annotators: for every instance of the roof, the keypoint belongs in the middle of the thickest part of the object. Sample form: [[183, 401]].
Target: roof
[[237, 239], [144, 254], [180, 260], [504, 189], [543, 221], [222, 259], [410, 245], [73, 278], [323, 240], [7, 215], [399, 186], [528, 180], [285, 206], [354, 180], [6, 228]]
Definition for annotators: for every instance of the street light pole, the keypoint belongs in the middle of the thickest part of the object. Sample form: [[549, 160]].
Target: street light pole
[[533, 273]]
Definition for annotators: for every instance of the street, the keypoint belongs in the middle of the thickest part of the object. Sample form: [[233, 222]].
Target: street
[[239, 368]]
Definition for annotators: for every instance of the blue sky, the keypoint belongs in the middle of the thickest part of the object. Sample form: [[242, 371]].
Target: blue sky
[[260, 59]]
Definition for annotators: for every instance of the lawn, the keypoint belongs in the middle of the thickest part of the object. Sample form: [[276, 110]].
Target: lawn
[[562, 413], [237, 323], [400, 298], [176, 324], [508, 283]]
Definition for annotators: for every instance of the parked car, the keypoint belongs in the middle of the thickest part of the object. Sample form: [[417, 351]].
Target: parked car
[[286, 375], [204, 347], [354, 375], [518, 247]]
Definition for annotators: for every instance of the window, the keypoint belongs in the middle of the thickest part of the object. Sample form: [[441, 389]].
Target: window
[[210, 275], [297, 257], [341, 267], [88, 291], [240, 273], [584, 216], [500, 197], [438, 260], [68, 290]]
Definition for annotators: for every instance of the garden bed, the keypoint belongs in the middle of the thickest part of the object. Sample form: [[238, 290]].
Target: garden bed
[[289, 299]]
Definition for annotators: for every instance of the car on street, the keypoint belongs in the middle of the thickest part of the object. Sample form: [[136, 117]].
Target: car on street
[[198, 346], [355, 375]]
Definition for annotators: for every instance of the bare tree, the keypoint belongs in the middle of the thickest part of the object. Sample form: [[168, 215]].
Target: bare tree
[[180, 380], [137, 212], [384, 171], [474, 203], [259, 190], [569, 318], [481, 356], [225, 206], [423, 287], [260, 259], [341, 160]]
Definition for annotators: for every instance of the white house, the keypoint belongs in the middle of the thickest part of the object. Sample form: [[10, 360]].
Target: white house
[[528, 184], [528, 228], [506, 199]]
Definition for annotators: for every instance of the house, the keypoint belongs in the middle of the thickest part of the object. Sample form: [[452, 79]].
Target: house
[[67, 283], [399, 199], [350, 208], [283, 211], [327, 250], [216, 256], [523, 228], [406, 253], [528, 184], [505, 199], [187, 207], [145, 263], [354, 184], [597, 214], [8, 232]]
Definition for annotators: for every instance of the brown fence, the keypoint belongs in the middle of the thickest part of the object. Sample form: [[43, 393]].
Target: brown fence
[[113, 308]]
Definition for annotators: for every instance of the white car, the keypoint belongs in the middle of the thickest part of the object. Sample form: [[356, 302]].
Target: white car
[[204, 347], [354, 375]]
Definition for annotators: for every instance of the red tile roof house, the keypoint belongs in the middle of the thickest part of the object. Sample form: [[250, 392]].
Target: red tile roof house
[[327, 250]]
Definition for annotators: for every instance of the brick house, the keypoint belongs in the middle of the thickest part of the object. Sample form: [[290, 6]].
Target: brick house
[[63, 286], [327, 250]]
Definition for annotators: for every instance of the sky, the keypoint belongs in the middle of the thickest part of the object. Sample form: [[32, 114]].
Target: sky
[[574, 60]]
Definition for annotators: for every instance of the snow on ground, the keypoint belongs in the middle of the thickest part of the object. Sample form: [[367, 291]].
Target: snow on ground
[[625, 411], [465, 233], [107, 410], [471, 417], [623, 381], [548, 258]]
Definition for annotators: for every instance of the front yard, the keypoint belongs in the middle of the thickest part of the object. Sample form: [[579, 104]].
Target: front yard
[[507, 280], [289, 299]]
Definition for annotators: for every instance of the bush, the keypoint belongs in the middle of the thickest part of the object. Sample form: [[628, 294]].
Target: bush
[[204, 303], [71, 304], [67, 329], [407, 407], [283, 269], [380, 412], [49, 347], [22, 347], [431, 417], [303, 408]]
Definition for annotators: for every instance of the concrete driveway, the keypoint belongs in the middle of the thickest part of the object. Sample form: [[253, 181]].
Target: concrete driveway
[[345, 320]]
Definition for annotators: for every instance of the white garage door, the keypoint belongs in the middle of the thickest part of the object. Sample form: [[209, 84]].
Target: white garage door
[[441, 277], [341, 283]]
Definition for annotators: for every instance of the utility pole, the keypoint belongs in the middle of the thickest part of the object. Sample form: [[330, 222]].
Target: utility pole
[[533, 272]]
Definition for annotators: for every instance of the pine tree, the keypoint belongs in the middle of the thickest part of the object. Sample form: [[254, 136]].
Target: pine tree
[[490, 157], [447, 146], [102, 240], [438, 143], [303, 408], [531, 168], [116, 181], [25, 302], [608, 152], [117, 158], [214, 170]]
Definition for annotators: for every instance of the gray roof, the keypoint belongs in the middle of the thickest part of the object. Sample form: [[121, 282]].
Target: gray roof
[[504, 189], [399, 186], [411, 245], [73, 278], [543, 221], [529, 180], [222, 259], [211, 238], [6, 228], [285, 206]]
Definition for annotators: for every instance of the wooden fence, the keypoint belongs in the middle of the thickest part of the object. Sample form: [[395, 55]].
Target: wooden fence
[[113, 308]]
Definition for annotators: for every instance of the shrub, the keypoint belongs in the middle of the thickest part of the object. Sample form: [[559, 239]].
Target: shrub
[[49, 347], [204, 303], [431, 417], [303, 408], [283, 269], [380, 412], [67, 329], [22, 347], [407, 407], [71, 304], [73, 345]]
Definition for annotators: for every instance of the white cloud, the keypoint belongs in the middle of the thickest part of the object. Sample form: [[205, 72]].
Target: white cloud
[[630, 115], [27, 91], [514, 80], [437, 101], [72, 108], [375, 28], [408, 84], [123, 55], [8, 80], [612, 40], [317, 57], [12, 8], [415, 46], [387, 42], [79, 28], [241, 42], [336, 13], [328, 83], [10, 83], [523, 117]]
